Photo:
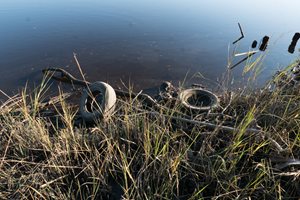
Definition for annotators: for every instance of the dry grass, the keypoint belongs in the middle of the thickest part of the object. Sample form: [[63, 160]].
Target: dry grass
[[139, 155]]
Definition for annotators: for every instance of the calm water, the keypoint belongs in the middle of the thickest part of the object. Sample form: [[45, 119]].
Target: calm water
[[143, 42]]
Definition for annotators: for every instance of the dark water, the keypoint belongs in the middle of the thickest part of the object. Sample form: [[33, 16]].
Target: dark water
[[142, 42]]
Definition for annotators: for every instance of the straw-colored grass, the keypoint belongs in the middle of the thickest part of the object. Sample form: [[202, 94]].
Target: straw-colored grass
[[138, 154]]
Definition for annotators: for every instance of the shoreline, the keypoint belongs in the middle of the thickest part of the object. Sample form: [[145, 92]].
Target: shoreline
[[136, 154]]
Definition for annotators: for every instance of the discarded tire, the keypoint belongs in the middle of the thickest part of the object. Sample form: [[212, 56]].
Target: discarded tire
[[97, 102], [198, 100]]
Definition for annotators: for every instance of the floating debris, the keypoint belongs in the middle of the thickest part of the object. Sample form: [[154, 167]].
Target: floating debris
[[254, 44], [244, 59], [264, 43], [242, 34], [245, 53], [293, 44]]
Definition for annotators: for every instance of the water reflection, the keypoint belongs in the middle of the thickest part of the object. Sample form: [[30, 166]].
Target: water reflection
[[144, 41]]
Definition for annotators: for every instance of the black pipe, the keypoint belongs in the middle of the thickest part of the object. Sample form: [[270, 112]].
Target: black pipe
[[293, 44]]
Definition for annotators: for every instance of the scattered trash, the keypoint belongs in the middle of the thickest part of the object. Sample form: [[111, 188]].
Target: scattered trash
[[101, 104], [98, 102], [250, 53], [98, 99], [263, 46], [199, 100]]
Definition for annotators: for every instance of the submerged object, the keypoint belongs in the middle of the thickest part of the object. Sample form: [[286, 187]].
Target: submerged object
[[242, 34], [264, 43], [254, 44], [293, 44], [196, 99], [97, 102]]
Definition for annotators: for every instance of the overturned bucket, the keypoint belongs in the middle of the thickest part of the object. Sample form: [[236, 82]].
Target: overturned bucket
[[198, 100]]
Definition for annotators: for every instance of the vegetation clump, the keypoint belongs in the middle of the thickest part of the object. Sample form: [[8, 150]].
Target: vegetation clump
[[145, 154]]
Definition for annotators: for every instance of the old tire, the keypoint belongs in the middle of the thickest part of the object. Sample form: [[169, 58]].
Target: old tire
[[198, 100], [97, 102]]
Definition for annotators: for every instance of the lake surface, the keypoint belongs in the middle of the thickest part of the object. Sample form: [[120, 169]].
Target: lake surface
[[142, 42]]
